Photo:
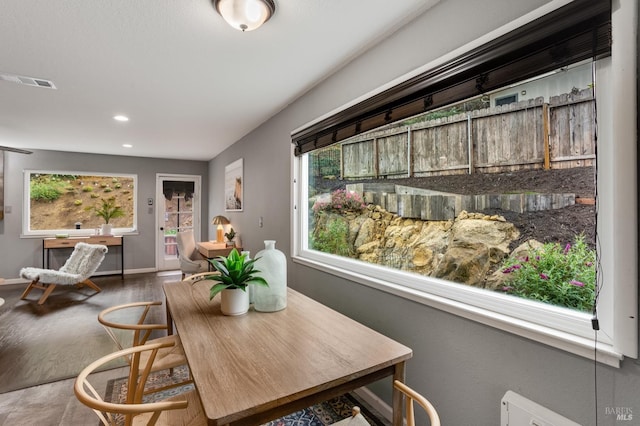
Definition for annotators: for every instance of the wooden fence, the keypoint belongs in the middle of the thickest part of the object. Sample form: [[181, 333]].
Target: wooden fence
[[525, 135]]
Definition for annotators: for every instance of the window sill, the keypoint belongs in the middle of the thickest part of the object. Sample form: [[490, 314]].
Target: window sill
[[577, 345], [81, 234]]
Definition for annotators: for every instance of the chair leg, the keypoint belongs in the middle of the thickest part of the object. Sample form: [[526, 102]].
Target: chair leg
[[90, 284], [48, 289], [29, 288]]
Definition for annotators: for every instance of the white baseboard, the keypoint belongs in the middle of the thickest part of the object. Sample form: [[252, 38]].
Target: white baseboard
[[375, 402], [8, 281]]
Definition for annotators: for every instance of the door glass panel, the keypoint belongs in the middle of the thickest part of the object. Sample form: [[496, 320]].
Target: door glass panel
[[178, 213]]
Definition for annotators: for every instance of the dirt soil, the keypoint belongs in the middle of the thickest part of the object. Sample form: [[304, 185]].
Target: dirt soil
[[74, 204], [560, 225]]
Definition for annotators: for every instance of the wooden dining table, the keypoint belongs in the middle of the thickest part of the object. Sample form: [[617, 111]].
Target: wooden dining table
[[257, 367]]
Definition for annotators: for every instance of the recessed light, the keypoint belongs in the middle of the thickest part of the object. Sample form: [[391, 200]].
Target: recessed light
[[121, 118], [127, 145]]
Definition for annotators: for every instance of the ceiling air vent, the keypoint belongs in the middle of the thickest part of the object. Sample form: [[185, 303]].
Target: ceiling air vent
[[29, 81]]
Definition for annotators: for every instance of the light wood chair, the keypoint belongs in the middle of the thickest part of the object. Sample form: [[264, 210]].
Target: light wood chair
[[139, 332], [181, 410], [356, 419], [412, 396], [83, 262]]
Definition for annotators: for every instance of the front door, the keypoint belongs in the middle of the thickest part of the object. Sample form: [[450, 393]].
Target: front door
[[178, 209]]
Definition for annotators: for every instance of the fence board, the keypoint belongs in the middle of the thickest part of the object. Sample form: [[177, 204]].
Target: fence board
[[572, 118], [392, 155], [357, 159], [437, 149]]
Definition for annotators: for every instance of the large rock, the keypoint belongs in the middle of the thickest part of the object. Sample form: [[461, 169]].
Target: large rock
[[476, 246], [498, 279], [463, 250]]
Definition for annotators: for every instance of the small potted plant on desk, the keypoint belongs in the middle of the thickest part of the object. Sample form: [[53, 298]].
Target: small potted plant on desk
[[236, 273], [107, 210], [230, 236]]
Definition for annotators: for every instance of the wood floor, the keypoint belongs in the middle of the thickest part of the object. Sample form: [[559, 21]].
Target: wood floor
[[54, 403]]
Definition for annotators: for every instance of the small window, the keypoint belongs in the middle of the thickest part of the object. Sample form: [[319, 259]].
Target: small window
[[505, 100]]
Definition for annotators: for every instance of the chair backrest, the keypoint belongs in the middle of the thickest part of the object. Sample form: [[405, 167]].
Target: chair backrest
[[108, 411], [412, 396], [112, 319], [84, 260], [186, 244]]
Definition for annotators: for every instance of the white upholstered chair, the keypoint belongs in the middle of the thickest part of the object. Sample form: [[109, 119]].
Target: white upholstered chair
[[191, 262], [83, 262]]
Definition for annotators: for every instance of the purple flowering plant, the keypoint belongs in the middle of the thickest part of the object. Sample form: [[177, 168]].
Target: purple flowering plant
[[559, 275]]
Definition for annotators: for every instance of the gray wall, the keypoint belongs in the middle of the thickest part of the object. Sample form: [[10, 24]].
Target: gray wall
[[17, 252], [464, 367]]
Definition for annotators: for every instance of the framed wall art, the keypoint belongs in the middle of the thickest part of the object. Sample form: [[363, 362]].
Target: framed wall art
[[233, 186]]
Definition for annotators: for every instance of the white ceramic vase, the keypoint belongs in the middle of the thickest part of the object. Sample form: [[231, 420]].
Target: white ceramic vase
[[234, 301], [272, 264]]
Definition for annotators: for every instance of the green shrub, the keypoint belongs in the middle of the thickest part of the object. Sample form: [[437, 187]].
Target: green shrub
[[45, 191], [561, 276], [87, 188], [332, 237], [117, 185], [77, 202], [107, 189]]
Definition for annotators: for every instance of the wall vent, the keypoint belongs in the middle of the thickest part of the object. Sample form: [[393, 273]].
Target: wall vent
[[517, 410], [29, 81]]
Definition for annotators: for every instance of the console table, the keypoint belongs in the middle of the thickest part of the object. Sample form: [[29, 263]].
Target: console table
[[210, 249], [60, 243]]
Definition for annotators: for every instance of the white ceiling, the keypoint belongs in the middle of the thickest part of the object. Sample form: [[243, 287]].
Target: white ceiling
[[190, 84]]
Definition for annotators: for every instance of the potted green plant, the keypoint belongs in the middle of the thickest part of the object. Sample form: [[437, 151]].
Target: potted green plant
[[236, 272], [107, 209], [230, 236]]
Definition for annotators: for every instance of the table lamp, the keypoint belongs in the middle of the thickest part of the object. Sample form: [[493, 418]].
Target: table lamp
[[220, 220]]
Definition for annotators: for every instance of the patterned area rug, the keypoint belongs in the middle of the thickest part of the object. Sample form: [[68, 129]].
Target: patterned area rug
[[325, 413]]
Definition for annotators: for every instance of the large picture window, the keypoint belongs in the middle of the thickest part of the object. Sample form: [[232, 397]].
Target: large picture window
[[501, 199], [437, 191], [78, 203]]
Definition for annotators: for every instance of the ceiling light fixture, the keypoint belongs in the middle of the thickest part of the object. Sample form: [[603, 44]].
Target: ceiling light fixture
[[245, 15], [121, 118], [127, 145]]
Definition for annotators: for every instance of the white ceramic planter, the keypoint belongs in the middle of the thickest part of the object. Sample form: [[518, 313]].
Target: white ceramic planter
[[234, 301], [106, 229]]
